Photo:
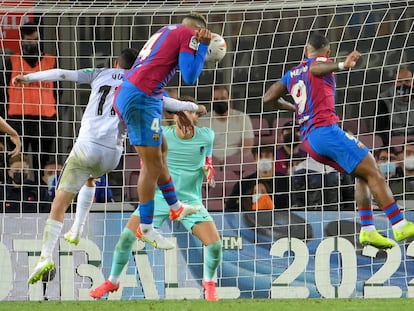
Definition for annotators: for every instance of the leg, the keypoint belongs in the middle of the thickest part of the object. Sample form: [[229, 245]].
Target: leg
[[208, 235], [147, 182], [120, 258], [51, 234], [84, 203], [368, 170], [368, 235]]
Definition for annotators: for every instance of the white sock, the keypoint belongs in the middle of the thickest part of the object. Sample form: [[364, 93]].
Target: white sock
[[176, 205], [369, 228], [146, 228], [399, 225], [113, 279], [83, 206], [51, 233]]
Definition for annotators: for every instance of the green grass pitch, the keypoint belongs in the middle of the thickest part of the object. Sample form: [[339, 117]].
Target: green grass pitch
[[233, 305]]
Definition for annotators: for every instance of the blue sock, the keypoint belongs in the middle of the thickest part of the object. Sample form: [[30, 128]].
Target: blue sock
[[393, 213], [366, 215], [168, 191], [146, 212]]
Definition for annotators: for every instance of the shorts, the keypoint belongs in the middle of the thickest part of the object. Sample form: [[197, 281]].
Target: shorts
[[162, 212], [141, 113], [332, 146], [86, 160]]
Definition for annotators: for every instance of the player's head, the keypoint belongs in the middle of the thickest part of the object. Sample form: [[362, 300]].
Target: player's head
[[318, 45], [195, 20], [404, 77], [127, 58], [30, 39]]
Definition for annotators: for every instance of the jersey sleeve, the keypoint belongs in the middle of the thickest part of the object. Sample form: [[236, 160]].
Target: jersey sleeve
[[286, 79], [87, 75], [191, 57]]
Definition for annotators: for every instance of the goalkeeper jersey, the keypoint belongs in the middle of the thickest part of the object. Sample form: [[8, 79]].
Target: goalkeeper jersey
[[185, 159]]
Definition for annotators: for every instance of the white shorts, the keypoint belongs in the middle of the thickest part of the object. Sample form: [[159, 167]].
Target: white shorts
[[87, 159]]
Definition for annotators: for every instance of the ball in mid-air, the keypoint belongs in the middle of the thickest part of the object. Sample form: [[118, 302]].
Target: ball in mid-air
[[217, 48]]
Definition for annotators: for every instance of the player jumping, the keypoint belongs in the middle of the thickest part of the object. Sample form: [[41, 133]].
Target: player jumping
[[139, 103], [312, 86]]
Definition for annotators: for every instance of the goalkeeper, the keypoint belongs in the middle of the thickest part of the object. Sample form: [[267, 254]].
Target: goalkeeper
[[188, 158], [312, 86]]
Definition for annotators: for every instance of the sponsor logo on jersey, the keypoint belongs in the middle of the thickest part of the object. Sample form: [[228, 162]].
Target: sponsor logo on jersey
[[193, 43]]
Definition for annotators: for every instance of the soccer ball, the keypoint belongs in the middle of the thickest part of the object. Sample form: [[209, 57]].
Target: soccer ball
[[217, 49]]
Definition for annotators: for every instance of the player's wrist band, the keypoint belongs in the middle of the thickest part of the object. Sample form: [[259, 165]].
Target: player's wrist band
[[341, 65]]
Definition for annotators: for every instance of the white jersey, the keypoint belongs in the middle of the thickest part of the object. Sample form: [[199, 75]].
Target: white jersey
[[100, 123]]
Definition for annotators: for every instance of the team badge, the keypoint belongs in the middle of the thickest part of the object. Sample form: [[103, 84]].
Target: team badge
[[156, 136], [193, 43]]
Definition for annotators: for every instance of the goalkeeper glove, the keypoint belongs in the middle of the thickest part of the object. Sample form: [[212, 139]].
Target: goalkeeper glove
[[209, 171]]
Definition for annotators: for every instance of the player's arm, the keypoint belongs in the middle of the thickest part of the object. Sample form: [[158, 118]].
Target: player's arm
[[174, 105], [14, 136], [321, 67], [274, 96], [191, 65], [47, 75]]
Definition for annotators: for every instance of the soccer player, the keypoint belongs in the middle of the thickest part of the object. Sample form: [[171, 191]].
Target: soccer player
[[139, 103], [189, 158], [96, 152], [312, 86]]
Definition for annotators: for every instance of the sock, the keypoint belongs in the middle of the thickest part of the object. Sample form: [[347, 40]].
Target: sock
[[146, 212], [366, 215], [51, 233], [83, 206], [121, 254], [394, 215], [168, 191], [212, 260]]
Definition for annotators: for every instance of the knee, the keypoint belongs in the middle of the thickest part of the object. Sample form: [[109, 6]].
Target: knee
[[216, 247], [126, 239]]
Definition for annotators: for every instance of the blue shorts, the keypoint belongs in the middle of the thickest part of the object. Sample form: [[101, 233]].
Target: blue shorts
[[332, 146], [141, 113]]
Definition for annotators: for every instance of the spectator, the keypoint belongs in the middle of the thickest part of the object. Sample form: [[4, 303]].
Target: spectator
[[318, 186], [22, 193], [233, 128], [31, 109], [387, 162], [289, 154], [260, 190], [48, 181], [395, 115]]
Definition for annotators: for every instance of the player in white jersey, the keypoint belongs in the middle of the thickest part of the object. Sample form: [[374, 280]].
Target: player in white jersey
[[97, 151]]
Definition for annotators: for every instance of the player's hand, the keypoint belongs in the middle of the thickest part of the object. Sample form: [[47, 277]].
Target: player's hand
[[18, 145], [203, 35], [352, 59], [202, 110], [209, 172], [19, 79], [184, 123]]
